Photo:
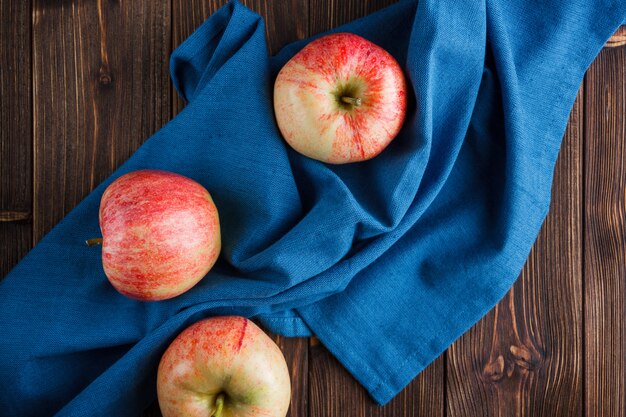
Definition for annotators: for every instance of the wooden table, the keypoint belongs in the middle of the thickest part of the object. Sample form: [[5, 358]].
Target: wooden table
[[84, 83]]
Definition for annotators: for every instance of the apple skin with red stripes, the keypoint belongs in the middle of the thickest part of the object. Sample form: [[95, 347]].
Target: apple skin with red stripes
[[223, 367], [341, 99], [160, 234]]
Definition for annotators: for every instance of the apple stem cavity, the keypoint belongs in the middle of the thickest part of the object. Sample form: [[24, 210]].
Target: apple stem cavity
[[93, 242], [219, 404], [351, 100]]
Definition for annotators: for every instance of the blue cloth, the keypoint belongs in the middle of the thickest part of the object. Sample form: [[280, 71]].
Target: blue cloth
[[386, 261]]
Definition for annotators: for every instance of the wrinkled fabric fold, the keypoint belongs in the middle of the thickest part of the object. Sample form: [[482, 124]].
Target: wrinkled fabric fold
[[387, 261]]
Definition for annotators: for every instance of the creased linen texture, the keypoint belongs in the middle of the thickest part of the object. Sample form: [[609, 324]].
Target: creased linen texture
[[386, 261]]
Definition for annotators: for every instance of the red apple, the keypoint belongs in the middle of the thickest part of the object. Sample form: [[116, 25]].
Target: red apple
[[160, 234], [340, 99], [223, 367]]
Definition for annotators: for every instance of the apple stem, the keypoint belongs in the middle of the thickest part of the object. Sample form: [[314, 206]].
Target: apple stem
[[219, 403], [93, 242], [351, 100]]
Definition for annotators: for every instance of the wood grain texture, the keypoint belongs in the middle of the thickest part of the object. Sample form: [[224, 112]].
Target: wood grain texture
[[16, 151], [100, 88], [9, 216], [605, 235], [285, 21], [333, 392], [100, 78], [327, 14], [296, 351], [525, 357], [618, 38]]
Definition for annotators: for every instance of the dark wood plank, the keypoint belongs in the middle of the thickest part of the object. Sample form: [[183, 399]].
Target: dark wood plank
[[332, 390], [605, 235], [296, 351], [101, 88], [100, 77], [285, 21], [525, 357], [327, 14], [16, 150]]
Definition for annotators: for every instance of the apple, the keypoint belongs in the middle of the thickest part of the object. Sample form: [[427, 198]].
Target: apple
[[340, 99], [223, 367], [160, 234]]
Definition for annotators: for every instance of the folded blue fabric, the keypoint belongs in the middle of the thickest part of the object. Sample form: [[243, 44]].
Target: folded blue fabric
[[387, 261]]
